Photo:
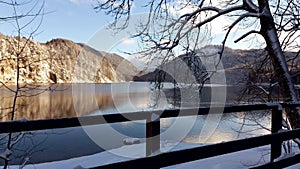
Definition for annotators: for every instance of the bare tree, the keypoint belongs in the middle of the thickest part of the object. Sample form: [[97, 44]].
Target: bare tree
[[166, 30], [25, 24]]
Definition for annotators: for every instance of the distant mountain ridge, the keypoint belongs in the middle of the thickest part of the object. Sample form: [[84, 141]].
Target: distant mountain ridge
[[183, 69], [238, 65], [196, 65], [59, 61]]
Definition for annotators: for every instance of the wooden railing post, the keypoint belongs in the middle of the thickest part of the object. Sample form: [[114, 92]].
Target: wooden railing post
[[276, 126], [152, 134]]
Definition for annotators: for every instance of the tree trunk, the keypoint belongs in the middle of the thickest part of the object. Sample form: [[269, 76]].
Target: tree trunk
[[277, 56]]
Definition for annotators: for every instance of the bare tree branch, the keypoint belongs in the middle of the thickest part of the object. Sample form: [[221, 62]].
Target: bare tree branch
[[245, 35]]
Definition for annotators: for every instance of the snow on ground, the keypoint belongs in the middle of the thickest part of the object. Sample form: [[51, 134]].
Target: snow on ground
[[237, 160]]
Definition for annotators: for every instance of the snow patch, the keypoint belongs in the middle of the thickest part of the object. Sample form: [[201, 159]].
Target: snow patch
[[5, 155], [284, 156], [21, 120], [130, 141]]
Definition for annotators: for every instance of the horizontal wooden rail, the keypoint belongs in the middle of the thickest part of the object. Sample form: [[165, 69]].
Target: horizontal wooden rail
[[198, 153], [290, 104], [33, 125]]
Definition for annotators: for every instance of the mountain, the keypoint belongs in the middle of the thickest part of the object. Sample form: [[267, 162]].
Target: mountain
[[238, 65], [64, 61], [183, 69], [191, 67], [59, 61], [121, 65]]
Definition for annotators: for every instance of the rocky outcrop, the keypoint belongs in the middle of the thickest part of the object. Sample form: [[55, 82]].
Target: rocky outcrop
[[58, 61]]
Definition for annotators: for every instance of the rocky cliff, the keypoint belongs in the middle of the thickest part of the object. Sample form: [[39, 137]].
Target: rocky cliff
[[58, 61]]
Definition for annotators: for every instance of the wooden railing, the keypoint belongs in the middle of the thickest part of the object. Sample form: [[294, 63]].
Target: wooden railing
[[180, 156]]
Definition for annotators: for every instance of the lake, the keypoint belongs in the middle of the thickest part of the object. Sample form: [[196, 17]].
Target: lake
[[93, 99]]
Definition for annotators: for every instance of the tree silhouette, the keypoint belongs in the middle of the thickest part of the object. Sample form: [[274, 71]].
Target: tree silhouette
[[276, 22], [25, 23]]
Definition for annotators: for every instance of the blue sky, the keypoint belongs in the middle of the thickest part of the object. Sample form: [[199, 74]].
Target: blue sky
[[75, 20], [70, 19], [78, 21]]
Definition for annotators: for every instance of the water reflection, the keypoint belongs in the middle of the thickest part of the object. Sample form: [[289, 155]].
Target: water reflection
[[231, 127], [50, 145], [60, 100]]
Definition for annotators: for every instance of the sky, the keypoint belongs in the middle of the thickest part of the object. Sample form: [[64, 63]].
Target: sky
[[76, 20], [70, 19]]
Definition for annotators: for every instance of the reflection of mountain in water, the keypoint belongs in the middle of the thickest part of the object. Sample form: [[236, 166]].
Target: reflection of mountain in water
[[71, 100], [77, 100], [50, 104]]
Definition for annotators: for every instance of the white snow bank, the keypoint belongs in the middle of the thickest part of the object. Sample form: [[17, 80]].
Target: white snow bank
[[237, 160]]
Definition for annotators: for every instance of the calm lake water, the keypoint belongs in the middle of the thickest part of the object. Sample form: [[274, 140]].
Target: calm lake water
[[94, 99]]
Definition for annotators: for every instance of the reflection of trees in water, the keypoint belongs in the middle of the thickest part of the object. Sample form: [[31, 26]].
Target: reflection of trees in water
[[231, 127], [252, 122], [47, 145], [25, 146], [46, 105]]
